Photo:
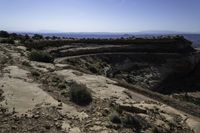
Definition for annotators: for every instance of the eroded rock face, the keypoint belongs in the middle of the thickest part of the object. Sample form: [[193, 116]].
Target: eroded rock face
[[146, 70]]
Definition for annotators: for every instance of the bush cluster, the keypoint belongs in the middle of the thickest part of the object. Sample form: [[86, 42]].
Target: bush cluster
[[35, 73], [41, 57], [4, 34], [115, 118], [7, 40], [127, 121], [130, 121], [11, 37], [80, 94]]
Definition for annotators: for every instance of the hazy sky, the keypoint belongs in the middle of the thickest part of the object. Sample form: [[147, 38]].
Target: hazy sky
[[100, 15]]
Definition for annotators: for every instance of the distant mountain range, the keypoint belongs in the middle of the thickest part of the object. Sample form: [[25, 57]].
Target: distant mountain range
[[165, 32]]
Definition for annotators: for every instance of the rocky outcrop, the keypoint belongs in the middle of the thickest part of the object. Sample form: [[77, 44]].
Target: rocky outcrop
[[37, 97], [149, 70]]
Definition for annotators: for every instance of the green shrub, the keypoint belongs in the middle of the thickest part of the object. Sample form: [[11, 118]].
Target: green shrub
[[26, 63], [64, 93], [131, 121], [35, 73], [8, 40], [80, 94], [93, 69], [155, 130], [1, 95], [115, 118], [37, 37], [4, 34], [41, 57], [61, 86]]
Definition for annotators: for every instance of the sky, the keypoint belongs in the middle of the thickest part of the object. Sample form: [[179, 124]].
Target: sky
[[100, 15]]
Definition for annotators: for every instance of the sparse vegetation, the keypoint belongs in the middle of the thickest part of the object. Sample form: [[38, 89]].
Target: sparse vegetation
[[1, 95], [115, 111], [12, 37], [41, 57], [61, 86], [173, 41], [93, 69], [155, 130], [127, 120], [7, 40], [188, 98], [115, 117], [4, 34], [131, 121], [80, 94], [26, 63], [37, 37], [35, 73]]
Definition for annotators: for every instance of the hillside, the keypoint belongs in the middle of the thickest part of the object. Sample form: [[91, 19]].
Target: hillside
[[82, 87]]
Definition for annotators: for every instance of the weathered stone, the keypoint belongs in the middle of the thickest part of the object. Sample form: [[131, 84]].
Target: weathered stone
[[131, 108], [106, 111], [75, 130], [58, 125]]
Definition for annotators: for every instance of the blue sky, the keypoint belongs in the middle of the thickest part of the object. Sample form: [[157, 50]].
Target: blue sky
[[100, 15]]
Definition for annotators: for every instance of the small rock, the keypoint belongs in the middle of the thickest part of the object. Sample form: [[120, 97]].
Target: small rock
[[60, 104], [37, 112], [47, 126], [14, 127], [13, 112], [75, 130], [65, 126], [132, 109], [59, 108], [36, 116], [106, 111], [58, 125], [96, 128], [16, 118], [98, 122]]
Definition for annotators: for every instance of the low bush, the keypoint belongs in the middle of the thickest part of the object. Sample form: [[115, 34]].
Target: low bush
[[134, 121], [26, 63], [1, 95], [41, 57], [35, 73], [80, 94], [4, 34], [61, 86], [93, 69], [8, 40], [115, 118], [155, 130]]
